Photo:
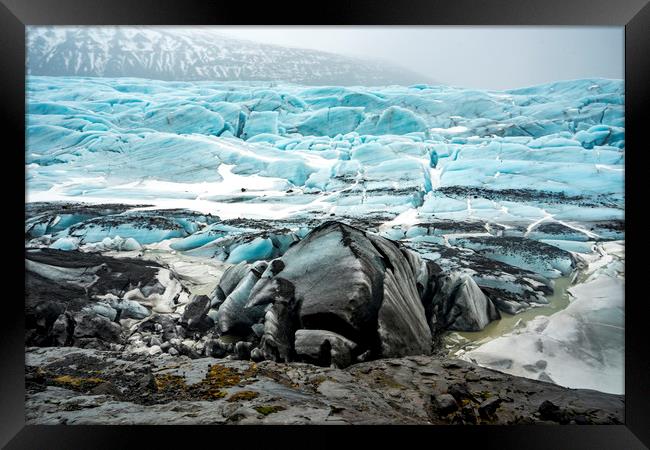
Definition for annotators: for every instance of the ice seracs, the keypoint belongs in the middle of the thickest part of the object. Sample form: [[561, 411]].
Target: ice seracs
[[520, 156]]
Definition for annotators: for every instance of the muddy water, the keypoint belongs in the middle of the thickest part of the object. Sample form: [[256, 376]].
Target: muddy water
[[455, 341]]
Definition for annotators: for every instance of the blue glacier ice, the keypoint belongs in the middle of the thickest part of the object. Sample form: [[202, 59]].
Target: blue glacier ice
[[331, 121], [393, 120], [65, 243], [205, 236], [260, 123], [258, 249], [280, 150]]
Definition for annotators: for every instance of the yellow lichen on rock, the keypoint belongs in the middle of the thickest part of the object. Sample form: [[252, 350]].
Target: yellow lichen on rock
[[243, 396], [78, 382], [265, 410], [167, 382], [222, 376]]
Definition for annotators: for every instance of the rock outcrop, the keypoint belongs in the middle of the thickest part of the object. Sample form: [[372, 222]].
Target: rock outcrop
[[359, 286], [84, 386]]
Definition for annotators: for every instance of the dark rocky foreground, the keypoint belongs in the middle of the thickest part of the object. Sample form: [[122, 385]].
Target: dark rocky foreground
[[344, 326], [82, 386]]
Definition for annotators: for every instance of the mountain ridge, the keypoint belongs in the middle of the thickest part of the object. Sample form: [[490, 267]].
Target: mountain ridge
[[195, 55]]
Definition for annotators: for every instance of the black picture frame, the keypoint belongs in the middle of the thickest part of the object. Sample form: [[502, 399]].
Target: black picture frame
[[634, 15]]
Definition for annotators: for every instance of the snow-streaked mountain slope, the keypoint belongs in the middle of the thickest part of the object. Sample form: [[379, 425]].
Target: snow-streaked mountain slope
[[197, 53]]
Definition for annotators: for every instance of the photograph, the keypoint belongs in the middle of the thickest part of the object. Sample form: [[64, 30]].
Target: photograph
[[313, 225]]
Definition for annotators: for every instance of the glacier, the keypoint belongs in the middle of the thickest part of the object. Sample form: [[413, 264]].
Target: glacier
[[511, 190], [456, 152]]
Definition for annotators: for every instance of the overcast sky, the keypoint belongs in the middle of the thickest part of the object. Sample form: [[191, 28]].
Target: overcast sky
[[476, 57]]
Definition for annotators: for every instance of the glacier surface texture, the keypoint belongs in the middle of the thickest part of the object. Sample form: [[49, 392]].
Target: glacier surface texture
[[506, 191]]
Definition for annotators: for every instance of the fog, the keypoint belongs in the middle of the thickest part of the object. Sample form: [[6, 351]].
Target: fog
[[477, 57]]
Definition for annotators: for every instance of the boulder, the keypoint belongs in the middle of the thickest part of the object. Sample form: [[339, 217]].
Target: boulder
[[487, 409], [444, 404], [243, 350], [550, 411], [459, 304], [62, 330], [195, 317], [257, 355], [216, 348], [130, 309], [96, 326], [324, 348], [359, 286], [159, 323], [460, 391]]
